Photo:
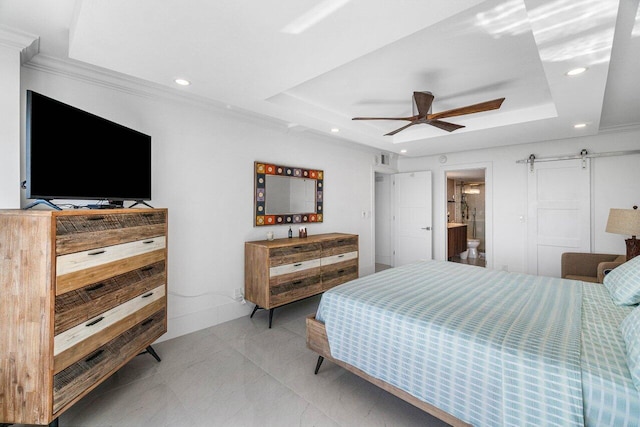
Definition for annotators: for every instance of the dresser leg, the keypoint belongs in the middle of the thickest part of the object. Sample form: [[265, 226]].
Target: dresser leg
[[254, 311], [271, 310], [270, 313], [152, 352], [54, 423], [320, 360]]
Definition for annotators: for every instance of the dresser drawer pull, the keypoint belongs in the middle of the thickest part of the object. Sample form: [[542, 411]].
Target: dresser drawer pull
[[95, 321], [146, 322], [297, 265], [93, 356], [147, 295], [340, 271], [340, 241], [147, 215], [95, 218], [297, 247], [146, 242], [297, 282], [97, 252], [96, 287], [341, 256], [147, 268]]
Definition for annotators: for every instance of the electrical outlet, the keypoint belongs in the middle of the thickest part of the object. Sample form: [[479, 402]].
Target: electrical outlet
[[238, 294]]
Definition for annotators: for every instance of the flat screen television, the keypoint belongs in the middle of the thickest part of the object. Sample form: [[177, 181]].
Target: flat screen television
[[73, 154]]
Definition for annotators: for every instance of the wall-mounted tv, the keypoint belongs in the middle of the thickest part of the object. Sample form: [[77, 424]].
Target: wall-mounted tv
[[73, 154]]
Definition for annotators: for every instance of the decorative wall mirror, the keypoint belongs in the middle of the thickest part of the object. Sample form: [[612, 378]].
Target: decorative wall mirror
[[287, 194]]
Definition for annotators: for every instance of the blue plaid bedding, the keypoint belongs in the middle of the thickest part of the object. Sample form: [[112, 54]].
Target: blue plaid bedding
[[489, 347], [610, 397]]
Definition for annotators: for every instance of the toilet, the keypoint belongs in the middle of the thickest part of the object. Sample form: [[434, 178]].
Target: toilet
[[472, 247]]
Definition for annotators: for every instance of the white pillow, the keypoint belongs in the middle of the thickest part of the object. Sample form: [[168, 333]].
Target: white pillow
[[623, 282]]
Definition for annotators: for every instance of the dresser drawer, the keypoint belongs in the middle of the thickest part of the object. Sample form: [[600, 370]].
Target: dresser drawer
[[79, 269], [294, 254], [80, 305], [75, 233], [340, 246], [291, 287], [338, 273], [292, 268], [87, 372], [70, 263], [75, 343], [333, 259]]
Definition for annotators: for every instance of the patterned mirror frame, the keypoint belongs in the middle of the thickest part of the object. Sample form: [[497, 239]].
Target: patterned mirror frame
[[262, 169]]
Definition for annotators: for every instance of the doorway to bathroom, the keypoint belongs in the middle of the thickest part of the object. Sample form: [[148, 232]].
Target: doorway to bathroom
[[467, 216]]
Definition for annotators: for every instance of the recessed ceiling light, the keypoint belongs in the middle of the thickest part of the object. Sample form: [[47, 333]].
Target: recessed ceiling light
[[576, 71], [403, 151], [182, 82], [580, 125], [335, 130]]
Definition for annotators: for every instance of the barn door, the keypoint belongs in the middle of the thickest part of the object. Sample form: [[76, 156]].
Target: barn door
[[559, 205]]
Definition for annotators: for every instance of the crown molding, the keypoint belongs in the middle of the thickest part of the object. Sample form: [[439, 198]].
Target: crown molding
[[28, 44], [621, 128], [102, 77], [81, 71]]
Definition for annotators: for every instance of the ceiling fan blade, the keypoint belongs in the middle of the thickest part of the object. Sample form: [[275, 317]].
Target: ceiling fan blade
[[423, 102], [386, 118], [393, 132], [449, 127], [469, 109]]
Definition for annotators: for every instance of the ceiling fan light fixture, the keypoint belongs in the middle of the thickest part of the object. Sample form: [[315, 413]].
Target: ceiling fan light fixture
[[182, 82], [576, 71], [335, 130], [423, 101]]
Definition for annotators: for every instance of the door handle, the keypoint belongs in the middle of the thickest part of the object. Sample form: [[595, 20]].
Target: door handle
[[425, 228]]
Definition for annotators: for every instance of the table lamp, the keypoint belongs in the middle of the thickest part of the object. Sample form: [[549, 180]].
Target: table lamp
[[627, 222]]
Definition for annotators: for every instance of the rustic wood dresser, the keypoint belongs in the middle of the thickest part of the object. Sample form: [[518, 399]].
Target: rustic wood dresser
[[82, 292], [281, 271]]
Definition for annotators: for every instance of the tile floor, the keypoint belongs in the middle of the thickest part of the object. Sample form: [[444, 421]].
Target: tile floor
[[241, 373]]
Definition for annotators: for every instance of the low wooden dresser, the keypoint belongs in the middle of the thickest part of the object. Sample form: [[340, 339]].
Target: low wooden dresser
[[281, 271], [81, 293]]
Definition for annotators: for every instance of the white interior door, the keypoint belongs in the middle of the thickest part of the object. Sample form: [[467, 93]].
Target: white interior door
[[559, 199], [412, 217]]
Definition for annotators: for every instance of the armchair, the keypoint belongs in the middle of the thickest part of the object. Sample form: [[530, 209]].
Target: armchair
[[588, 267]]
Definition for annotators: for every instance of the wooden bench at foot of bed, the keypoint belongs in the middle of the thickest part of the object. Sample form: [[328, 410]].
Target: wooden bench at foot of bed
[[318, 342]]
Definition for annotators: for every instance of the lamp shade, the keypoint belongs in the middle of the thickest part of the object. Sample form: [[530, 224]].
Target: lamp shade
[[624, 221]]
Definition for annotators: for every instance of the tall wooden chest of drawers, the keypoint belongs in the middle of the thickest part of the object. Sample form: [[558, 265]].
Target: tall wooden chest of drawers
[[280, 271], [81, 293]]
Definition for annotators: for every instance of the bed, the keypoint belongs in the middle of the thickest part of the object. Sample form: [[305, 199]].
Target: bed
[[475, 346]]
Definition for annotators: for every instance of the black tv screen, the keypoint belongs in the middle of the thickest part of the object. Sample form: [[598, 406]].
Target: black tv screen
[[73, 154]]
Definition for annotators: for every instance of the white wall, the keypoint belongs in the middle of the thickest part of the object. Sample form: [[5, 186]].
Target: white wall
[[202, 171], [614, 185], [10, 127]]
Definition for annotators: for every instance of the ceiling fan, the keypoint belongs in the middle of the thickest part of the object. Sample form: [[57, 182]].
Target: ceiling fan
[[423, 101]]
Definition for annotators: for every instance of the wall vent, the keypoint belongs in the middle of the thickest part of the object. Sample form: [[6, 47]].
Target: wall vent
[[383, 159]]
